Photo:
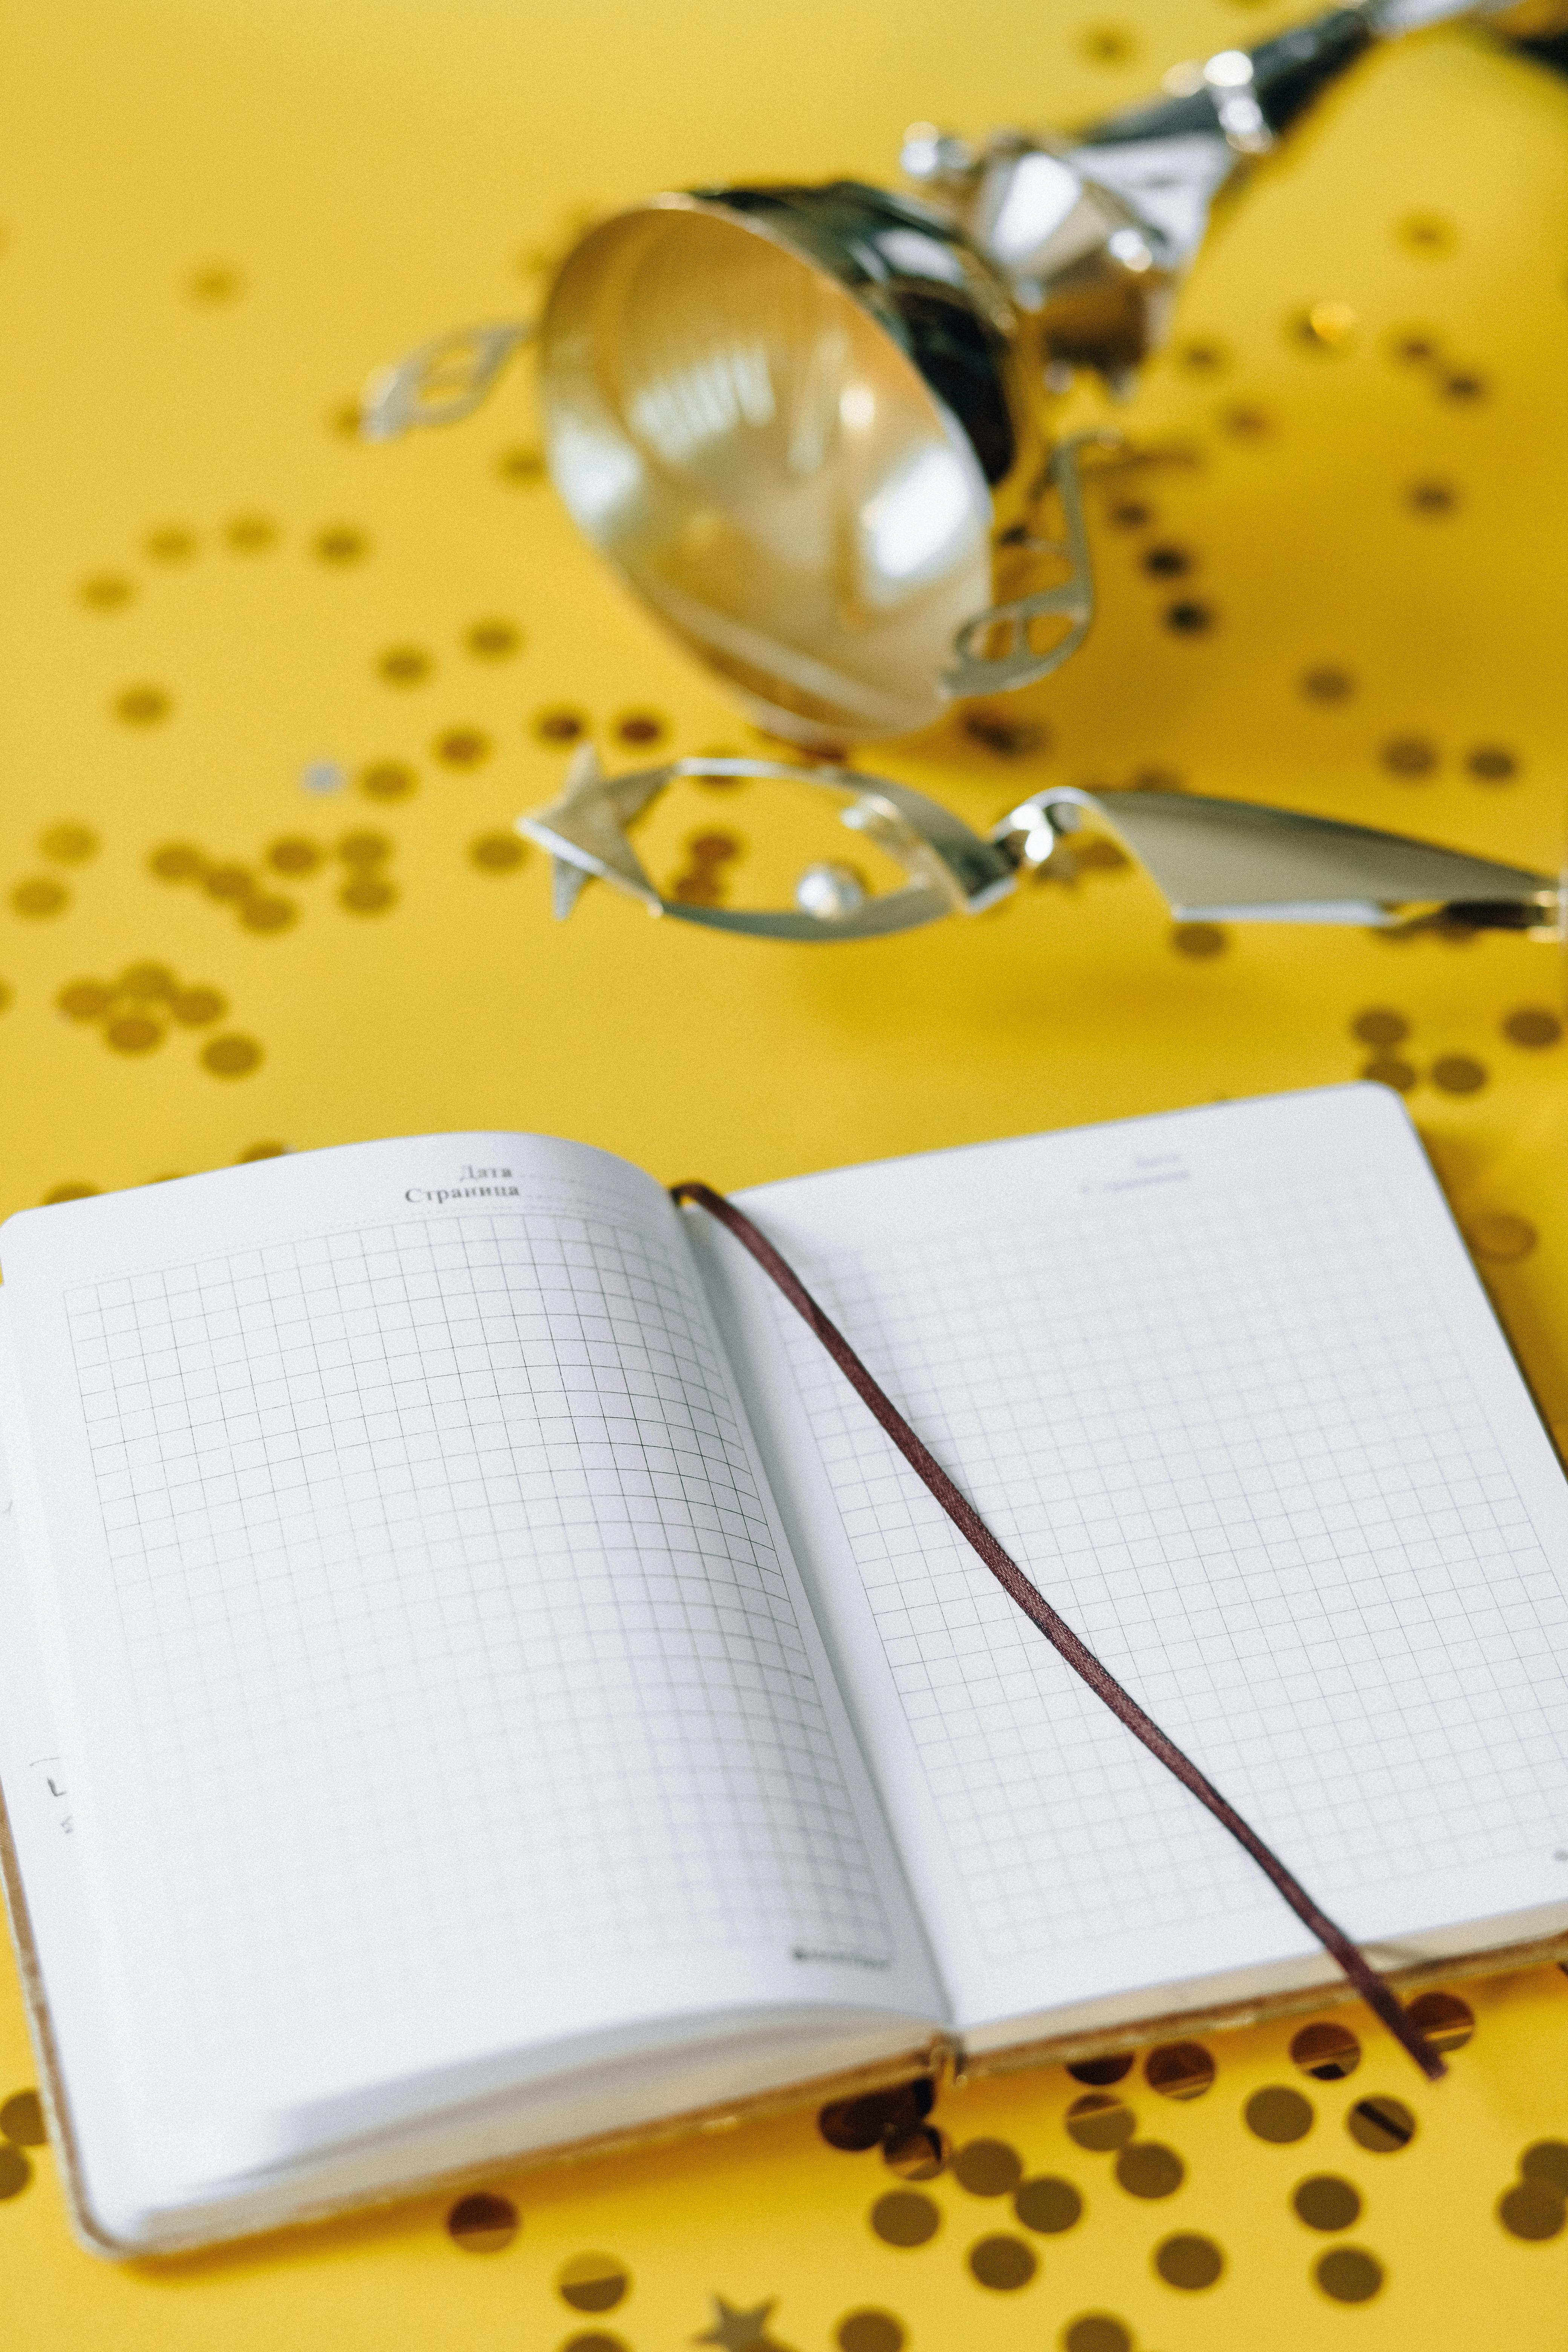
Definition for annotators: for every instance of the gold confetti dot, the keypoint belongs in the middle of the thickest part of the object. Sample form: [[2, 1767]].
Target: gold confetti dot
[[85, 1000], [106, 592], [1464, 387], [869, 2331], [292, 852], [1157, 780], [988, 2168], [1547, 2159], [1388, 1070], [905, 2218], [497, 853], [261, 913], [73, 844], [1431, 496], [1003, 2264], [170, 544], [262, 1151], [141, 706], [1409, 755], [1380, 1025], [1109, 45], [560, 726], [1100, 2121], [22, 2119], [134, 1032], [1459, 1074], [1099, 2073], [230, 1057], [1147, 2169], [482, 2224], [1445, 2020], [1203, 357], [228, 881], [40, 896], [1326, 327], [1279, 2115], [193, 1007], [461, 747], [1130, 514], [346, 418], [214, 283], [1532, 1025], [367, 893], [1199, 940], [1349, 2274], [1097, 2331], [1533, 2209], [521, 466], [1189, 2262], [14, 2171], [492, 640], [1430, 233], [1413, 346], [1179, 2070], [1326, 2202], [177, 861], [69, 1192], [1328, 683], [638, 728], [1009, 738], [387, 780], [1503, 1238], [1047, 2203], [1492, 763], [403, 664], [1328, 2052], [363, 848], [153, 980], [1381, 2124], [917, 2155], [251, 534], [592, 2282], [1244, 422], [1167, 562], [340, 543], [1188, 618]]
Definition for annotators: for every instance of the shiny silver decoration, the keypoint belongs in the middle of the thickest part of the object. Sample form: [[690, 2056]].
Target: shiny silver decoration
[[442, 382], [1214, 860]]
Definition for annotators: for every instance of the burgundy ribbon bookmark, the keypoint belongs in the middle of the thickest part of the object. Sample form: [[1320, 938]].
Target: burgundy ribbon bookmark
[[1378, 1996]]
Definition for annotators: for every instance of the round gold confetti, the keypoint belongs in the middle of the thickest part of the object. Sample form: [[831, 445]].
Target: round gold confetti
[[262, 1152], [403, 665], [1325, 327], [293, 854], [856, 2124], [1203, 357], [1198, 940], [917, 2155], [1179, 2070], [1147, 2169], [146, 980], [482, 2224], [497, 853], [639, 728], [367, 893], [592, 2282], [1328, 2052], [1430, 233], [1388, 1070], [1413, 346], [1099, 2073], [1533, 2209], [141, 706], [1097, 2332], [1349, 2274], [1445, 2020], [1408, 756], [869, 2331], [264, 914], [1188, 2260], [214, 283], [1100, 2122], [1431, 496], [346, 418], [73, 844], [1326, 2202], [1465, 385], [228, 881], [1047, 2204], [85, 1000], [1109, 45], [230, 1057], [69, 1192], [6, 992], [1459, 1074], [461, 747], [1244, 422], [1380, 1025], [340, 543], [521, 466], [134, 1032], [1328, 683], [1504, 1238], [492, 640], [1532, 1024], [1010, 738], [905, 2218], [193, 1007], [387, 780], [1003, 2264], [1279, 2115], [1547, 2159], [106, 592], [172, 544], [1157, 780], [1383, 2125], [22, 2119], [1188, 618], [560, 726], [251, 534], [1130, 514], [988, 2168], [40, 896], [1492, 763], [14, 2171], [177, 861], [361, 849]]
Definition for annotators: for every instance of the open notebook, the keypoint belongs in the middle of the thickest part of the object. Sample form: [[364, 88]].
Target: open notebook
[[474, 1680]]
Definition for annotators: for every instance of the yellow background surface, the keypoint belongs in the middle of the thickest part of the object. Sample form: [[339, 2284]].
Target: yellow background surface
[[217, 218]]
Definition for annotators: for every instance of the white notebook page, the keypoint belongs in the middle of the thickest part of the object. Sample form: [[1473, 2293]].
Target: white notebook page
[[440, 1679], [1225, 1385]]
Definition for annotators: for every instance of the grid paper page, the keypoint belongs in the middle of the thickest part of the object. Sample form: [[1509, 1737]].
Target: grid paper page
[[1224, 1422], [457, 1636]]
